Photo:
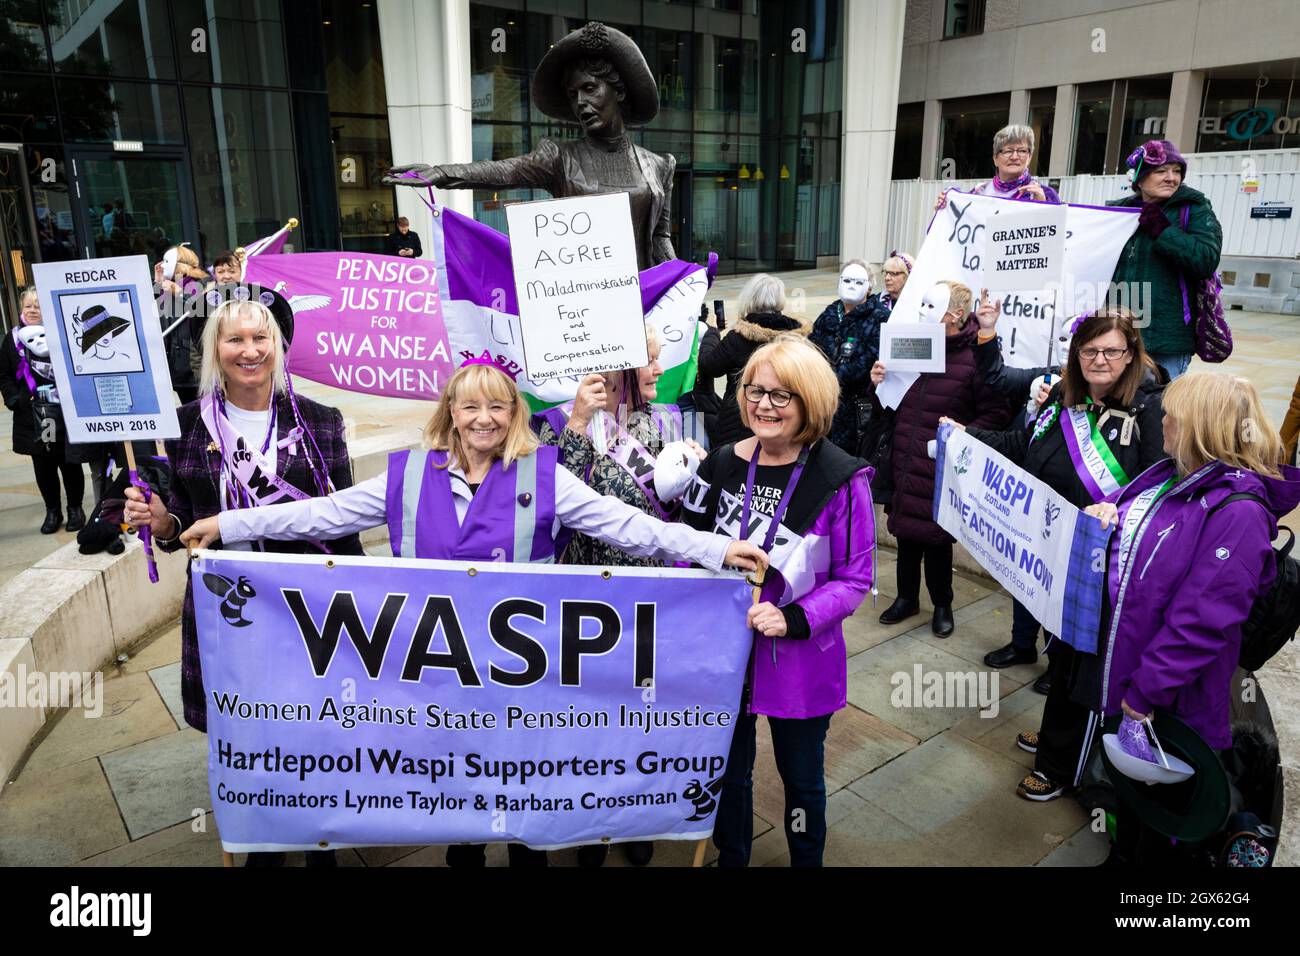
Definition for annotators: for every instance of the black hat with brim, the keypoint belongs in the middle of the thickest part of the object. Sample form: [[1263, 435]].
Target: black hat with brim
[[97, 322], [596, 41], [1189, 811], [275, 303]]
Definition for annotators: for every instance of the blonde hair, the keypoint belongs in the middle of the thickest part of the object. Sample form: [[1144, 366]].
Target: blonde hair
[[1220, 417], [211, 377], [762, 293], [959, 296], [187, 264], [898, 261], [799, 366], [493, 385]]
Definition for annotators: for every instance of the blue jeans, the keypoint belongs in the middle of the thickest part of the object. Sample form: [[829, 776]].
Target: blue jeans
[[799, 748], [1175, 365]]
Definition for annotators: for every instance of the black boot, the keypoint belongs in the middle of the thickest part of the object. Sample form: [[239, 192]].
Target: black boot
[[53, 518], [1009, 656], [900, 610], [942, 623], [76, 518]]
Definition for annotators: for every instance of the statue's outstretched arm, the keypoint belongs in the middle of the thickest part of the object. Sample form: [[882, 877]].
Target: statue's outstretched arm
[[535, 170]]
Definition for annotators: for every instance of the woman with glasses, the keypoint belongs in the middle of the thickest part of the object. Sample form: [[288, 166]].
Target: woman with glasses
[[895, 272], [1099, 428], [960, 392], [808, 503], [1013, 148]]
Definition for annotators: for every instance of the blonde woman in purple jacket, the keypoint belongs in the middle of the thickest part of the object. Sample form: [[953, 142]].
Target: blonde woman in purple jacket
[[810, 502]]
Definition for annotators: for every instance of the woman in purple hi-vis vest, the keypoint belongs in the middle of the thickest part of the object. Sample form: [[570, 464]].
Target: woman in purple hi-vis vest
[[484, 490]]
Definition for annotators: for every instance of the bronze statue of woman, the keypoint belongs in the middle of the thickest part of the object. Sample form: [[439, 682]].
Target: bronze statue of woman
[[597, 76]]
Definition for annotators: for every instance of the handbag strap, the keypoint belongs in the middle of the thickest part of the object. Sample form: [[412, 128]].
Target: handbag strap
[[1182, 280]]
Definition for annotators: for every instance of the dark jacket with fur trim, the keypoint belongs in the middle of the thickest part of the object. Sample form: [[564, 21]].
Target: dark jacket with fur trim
[[727, 355]]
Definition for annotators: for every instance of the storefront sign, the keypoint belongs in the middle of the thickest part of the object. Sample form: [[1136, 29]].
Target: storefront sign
[[1241, 126]]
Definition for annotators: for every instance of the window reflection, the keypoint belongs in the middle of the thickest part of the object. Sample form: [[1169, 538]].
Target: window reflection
[[230, 41], [122, 38]]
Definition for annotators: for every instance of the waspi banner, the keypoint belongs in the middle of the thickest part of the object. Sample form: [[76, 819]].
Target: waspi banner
[[376, 701], [1035, 543]]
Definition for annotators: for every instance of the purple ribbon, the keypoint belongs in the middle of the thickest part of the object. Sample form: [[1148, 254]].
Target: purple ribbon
[[146, 538], [24, 373]]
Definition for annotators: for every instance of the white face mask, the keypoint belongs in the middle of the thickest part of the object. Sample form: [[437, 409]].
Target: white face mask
[[1062, 350], [33, 339], [855, 284], [169, 260], [934, 304]]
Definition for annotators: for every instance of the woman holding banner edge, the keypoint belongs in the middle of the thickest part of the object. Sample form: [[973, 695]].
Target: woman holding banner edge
[[485, 471], [247, 402], [820, 497], [601, 435], [1100, 427]]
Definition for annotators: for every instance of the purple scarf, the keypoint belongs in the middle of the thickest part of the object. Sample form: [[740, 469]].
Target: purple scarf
[[1019, 182]]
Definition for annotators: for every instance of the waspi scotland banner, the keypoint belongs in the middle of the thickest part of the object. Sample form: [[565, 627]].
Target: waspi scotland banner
[[1047, 553], [376, 701]]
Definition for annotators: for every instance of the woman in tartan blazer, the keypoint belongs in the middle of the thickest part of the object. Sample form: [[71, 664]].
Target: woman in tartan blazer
[[198, 485]]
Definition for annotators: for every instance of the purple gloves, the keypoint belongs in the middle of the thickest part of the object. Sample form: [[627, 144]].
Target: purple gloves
[[1133, 740], [1152, 220]]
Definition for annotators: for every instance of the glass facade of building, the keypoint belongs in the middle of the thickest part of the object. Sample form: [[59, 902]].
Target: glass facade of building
[[750, 104], [237, 114]]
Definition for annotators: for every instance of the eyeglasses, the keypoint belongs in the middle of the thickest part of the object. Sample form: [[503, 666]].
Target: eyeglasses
[[1014, 151], [1110, 355], [894, 275], [779, 397]]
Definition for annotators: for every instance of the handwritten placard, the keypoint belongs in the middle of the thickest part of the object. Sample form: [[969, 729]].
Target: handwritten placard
[[578, 287]]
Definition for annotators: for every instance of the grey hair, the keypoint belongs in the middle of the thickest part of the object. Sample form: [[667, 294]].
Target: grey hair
[[1015, 133], [762, 293]]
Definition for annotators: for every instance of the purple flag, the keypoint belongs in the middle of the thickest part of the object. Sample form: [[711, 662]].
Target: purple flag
[[377, 701]]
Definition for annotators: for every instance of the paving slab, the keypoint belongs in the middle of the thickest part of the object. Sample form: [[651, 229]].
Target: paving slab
[[160, 782], [156, 650], [167, 680], [1086, 848], [59, 817], [890, 667], [964, 795], [132, 713]]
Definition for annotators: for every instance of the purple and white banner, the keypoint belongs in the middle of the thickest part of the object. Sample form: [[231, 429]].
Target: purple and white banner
[[1048, 554], [366, 323], [378, 701]]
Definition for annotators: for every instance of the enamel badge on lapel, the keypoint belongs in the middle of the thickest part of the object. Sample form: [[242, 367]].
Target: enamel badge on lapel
[[525, 499]]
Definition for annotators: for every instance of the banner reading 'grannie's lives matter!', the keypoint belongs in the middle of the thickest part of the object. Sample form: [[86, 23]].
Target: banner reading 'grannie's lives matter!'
[[375, 701]]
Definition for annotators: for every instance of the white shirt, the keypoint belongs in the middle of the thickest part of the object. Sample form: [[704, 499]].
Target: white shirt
[[252, 427], [577, 507]]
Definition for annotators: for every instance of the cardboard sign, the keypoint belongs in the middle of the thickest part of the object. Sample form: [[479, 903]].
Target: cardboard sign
[[913, 347], [106, 347], [1024, 246], [577, 283]]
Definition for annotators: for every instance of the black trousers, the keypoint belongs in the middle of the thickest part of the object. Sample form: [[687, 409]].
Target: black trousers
[[48, 468], [938, 571], [1068, 726]]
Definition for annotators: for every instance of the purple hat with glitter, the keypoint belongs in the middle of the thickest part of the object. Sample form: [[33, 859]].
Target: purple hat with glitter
[[1150, 155]]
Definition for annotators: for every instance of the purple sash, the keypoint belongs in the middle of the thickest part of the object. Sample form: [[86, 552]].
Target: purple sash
[[249, 475]]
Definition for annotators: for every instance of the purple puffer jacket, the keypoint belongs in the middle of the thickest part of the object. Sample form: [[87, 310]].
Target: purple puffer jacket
[[958, 392], [809, 678], [1175, 633]]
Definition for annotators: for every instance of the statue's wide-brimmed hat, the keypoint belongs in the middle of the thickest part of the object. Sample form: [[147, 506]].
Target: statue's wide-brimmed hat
[[596, 41]]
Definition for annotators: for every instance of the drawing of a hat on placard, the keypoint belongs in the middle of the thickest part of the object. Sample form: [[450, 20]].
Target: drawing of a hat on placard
[[98, 328]]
